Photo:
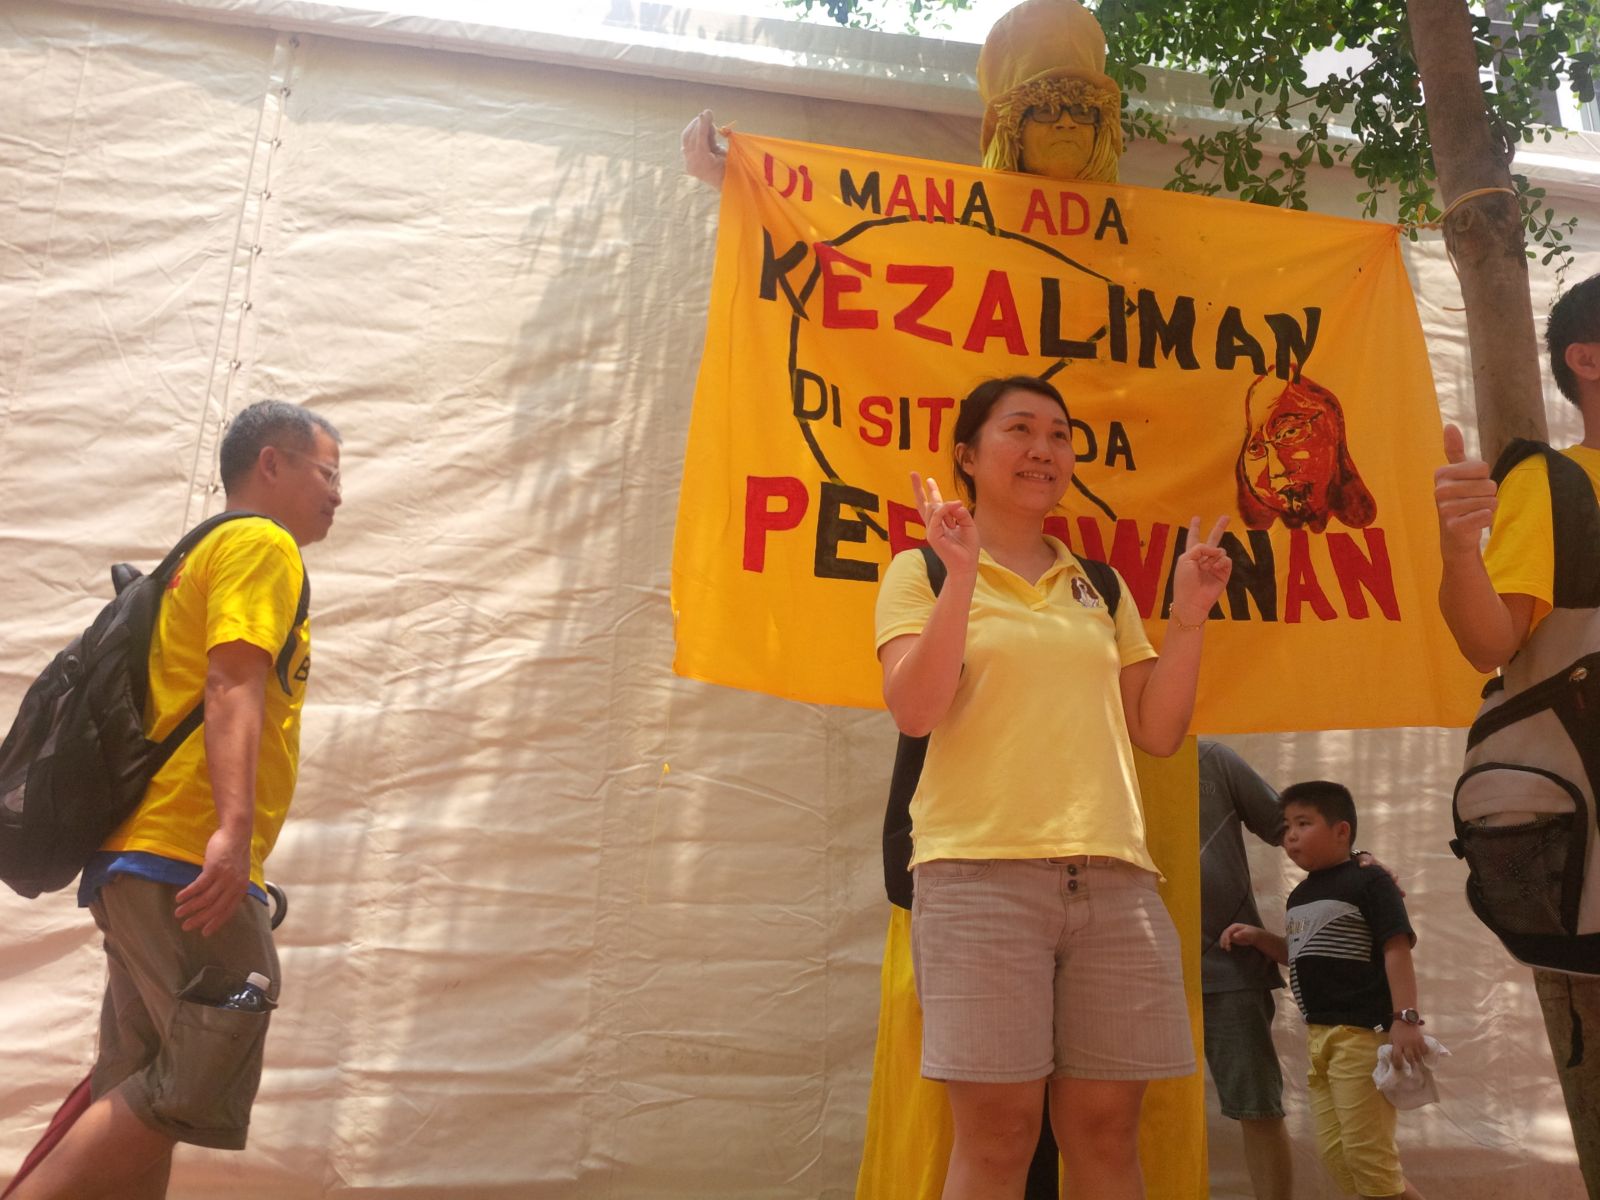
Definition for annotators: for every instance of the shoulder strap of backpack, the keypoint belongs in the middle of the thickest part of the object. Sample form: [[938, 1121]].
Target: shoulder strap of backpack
[[168, 746], [190, 540], [302, 609], [936, 568], [1516, 450], [1104, 579], [909, 755], [1574, 518]]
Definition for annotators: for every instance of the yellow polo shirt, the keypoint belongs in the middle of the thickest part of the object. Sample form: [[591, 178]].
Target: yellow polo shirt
[[241, 583], [1520, 556], [1033, 758]]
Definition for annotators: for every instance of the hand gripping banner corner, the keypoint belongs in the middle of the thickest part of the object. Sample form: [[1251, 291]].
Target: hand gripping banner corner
[[1217, 357]]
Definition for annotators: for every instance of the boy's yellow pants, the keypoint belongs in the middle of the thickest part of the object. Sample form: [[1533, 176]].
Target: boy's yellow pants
[[908, 1121]]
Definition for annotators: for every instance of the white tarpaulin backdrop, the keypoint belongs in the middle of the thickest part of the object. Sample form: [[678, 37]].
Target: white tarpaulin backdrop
[[562, 924]]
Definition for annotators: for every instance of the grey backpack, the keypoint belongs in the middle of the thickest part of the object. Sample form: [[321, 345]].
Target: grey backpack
[[1524, 808]]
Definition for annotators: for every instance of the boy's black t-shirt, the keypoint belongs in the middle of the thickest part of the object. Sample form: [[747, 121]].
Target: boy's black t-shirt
[[1336, 924]]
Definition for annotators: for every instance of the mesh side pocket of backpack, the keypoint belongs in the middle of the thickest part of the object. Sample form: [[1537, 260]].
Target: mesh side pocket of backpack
[[1522, 831]]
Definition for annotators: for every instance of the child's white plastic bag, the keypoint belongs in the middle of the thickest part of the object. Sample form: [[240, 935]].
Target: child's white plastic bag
[[1406, 1086]]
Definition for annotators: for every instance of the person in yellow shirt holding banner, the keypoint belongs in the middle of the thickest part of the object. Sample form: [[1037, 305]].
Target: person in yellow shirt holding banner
[[1049, 110], [1044, 956], [178, 889]]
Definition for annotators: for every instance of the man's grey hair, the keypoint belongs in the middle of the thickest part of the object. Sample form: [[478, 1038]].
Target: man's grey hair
[[267, 423]]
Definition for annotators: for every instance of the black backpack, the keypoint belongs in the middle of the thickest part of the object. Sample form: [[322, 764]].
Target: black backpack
[[912, 752], [76, 762], [1524, 807]]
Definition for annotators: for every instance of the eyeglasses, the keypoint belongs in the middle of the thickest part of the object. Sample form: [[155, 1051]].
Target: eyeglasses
[[330, 475], [1049, 112], [1285, 429]]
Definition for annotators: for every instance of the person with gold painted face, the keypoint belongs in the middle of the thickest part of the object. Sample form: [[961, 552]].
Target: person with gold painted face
[[1049, 107]]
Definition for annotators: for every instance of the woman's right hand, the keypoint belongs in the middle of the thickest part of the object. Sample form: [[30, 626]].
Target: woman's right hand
[[952, 532]]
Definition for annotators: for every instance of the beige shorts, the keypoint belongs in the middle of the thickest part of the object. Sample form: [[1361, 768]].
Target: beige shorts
[[1035, 968], [186, 1067]]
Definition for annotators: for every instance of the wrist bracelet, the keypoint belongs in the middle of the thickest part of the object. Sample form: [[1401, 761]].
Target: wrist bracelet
[[1182, 624]]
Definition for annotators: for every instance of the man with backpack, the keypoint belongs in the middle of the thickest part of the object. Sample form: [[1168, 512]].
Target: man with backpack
[[177, 889], [1529, 606]]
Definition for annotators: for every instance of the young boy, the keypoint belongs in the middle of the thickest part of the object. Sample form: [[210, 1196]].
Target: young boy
[[1348, 949]]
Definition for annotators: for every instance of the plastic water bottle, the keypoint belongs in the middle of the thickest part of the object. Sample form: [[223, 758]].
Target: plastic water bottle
[[252, 997]]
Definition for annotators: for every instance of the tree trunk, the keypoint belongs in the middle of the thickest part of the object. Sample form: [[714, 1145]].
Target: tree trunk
[[1485, 233]]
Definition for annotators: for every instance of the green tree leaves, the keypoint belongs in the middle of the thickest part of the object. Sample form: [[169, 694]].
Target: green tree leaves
[[1367, 115]]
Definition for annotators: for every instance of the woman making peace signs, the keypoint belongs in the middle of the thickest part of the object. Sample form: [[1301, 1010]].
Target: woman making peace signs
[[1043, 954]]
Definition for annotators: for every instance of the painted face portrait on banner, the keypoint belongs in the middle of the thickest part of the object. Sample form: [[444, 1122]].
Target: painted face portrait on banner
[[1295, 464]]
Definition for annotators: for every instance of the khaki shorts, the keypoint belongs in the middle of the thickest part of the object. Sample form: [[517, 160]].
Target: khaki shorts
[[1035, 968], [187, 1068]]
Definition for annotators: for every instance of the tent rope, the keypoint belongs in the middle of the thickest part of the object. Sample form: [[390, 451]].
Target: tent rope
[[1439, 223]]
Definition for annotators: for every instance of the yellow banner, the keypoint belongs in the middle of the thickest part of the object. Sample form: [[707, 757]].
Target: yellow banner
[[1217, 357]]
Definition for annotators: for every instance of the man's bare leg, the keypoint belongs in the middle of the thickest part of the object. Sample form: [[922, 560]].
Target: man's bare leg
[[154, 1184], [108, 1152], [1267, 1157]]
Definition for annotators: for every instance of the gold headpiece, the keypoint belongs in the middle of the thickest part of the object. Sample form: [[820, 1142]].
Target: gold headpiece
[[1047, 51]]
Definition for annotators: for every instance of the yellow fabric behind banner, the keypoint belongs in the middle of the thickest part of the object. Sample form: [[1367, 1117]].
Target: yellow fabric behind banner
[[1217, 357]]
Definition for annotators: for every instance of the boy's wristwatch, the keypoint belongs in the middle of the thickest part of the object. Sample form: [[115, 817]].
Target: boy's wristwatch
[[1409, 1015]]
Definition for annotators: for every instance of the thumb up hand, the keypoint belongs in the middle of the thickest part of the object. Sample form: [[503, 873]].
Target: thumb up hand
[[1464, 495]]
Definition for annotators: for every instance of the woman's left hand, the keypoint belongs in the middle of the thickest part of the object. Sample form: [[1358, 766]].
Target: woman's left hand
[[1201, 574]]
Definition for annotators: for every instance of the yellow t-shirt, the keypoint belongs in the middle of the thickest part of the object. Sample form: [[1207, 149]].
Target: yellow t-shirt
[[241, 583], [1520, 556], [1033, 758]]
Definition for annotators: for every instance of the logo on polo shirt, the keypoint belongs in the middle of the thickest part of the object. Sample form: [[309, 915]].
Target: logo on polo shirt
[[1083, 592]]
